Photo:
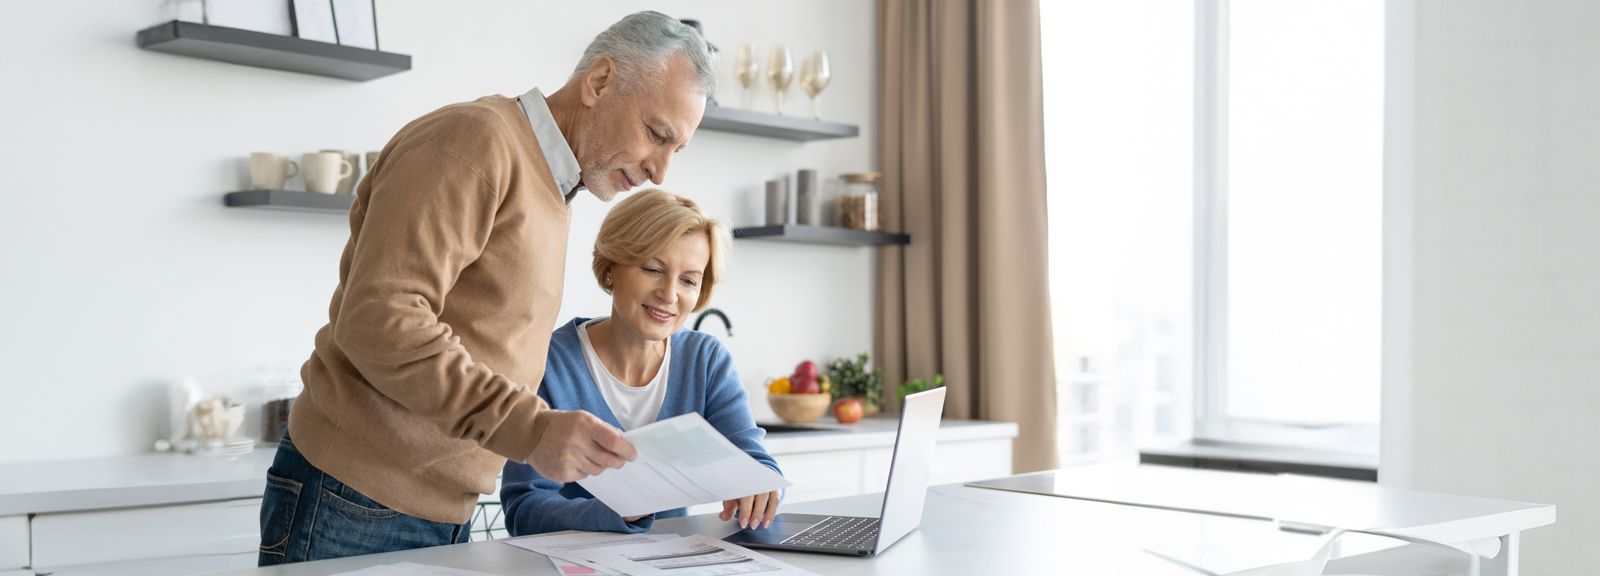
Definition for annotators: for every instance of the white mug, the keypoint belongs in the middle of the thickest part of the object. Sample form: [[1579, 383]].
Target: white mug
[[348, 183], [268, 170], [324, 170]]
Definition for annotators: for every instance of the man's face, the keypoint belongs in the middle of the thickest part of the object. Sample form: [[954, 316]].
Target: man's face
[[631, 139]]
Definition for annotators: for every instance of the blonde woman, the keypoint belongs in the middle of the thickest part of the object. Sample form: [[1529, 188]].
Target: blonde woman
[[658, 256]]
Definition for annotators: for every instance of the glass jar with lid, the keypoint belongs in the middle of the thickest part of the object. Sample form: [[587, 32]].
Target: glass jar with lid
[[858, 205]]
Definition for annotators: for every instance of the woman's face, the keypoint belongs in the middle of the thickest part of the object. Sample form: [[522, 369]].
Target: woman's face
[[653, 299]]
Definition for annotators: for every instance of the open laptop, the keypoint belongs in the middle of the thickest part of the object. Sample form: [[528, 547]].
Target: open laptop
[[902, 499]]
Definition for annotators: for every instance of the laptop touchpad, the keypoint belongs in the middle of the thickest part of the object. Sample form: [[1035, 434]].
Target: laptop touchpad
[[783, 528]]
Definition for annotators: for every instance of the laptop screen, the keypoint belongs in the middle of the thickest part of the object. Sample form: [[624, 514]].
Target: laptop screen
[[908, 471]]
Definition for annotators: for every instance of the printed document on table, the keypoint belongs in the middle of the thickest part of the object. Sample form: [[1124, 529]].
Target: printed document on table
[[682, 461], [688, 556], [560, 547]]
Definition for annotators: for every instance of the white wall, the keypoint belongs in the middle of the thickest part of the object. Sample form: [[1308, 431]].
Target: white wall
[[1503, 394], [121, 270]]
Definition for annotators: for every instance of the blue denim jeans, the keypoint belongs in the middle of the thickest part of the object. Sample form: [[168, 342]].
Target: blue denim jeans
[[307, 514]]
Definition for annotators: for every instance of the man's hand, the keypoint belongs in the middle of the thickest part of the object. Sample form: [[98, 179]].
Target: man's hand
[[754, 511], [577, 445]]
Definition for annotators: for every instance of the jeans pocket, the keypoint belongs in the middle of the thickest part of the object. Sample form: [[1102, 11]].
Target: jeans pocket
[[350, 524], [278, 506]]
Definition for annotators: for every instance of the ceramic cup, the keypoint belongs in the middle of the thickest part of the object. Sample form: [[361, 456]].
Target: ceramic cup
[[324, 170], [269, 170], [348, 183], [777, 202]]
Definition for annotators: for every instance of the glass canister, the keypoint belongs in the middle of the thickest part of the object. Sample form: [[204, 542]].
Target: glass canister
[[858, 206]]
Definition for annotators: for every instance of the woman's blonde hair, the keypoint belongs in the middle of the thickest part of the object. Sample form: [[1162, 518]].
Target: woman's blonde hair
[[648, 222]]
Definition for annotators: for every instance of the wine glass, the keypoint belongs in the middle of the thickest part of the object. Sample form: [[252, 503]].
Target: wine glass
[[746, 69], [780, 71], [814, 76]]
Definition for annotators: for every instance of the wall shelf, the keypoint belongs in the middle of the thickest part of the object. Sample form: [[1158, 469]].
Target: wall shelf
[[263, 50], [290, 200], [820, 235], [773, 125]]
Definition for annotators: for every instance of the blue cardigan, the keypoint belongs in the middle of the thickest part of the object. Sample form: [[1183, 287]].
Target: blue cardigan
[[701, 379]]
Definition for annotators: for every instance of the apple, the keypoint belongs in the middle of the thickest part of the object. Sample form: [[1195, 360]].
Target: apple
[[804, 378], [807, 368], [804, 385], [847, 410]]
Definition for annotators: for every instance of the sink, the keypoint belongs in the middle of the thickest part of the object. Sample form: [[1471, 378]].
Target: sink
[[789, 428]]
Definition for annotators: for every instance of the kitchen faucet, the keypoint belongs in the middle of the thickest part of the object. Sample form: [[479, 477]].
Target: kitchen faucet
[[718, 314]]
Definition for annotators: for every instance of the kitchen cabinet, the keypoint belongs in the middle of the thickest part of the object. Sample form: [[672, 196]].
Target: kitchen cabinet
[[13, 543], [114, 536]]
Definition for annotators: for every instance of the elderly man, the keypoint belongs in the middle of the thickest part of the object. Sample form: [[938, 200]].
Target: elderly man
[[423, 381]]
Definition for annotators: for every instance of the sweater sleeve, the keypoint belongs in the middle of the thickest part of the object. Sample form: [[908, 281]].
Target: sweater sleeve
[[728, 406], [427, 216], [535, 505]]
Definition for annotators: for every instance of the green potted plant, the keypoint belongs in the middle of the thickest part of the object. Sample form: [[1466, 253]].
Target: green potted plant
[[918, 385], [852, 380]]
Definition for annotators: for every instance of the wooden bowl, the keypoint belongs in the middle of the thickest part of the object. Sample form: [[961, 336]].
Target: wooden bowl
[[799, 408]]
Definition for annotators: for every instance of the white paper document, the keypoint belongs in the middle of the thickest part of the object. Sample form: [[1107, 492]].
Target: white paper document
[[561, 547], [682, 461], [688, 556]]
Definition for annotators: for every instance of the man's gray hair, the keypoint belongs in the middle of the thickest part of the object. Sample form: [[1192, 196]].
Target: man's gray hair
[[641, 44]]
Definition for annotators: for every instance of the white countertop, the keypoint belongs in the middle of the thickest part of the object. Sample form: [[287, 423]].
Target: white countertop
[[125, 481], [877, 432], [157, 479]]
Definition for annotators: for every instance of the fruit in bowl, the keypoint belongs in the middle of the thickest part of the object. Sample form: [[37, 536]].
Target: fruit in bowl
[[799, 408], [802, 396]]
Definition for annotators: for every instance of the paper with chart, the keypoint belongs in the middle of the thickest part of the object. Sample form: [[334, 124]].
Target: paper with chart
[[695, 555], [560, 548], [682, 461]]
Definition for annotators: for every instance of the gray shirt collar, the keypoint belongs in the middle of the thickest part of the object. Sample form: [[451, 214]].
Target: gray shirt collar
[[563, 164]]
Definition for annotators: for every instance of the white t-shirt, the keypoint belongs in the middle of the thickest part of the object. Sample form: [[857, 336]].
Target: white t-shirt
[[634, 407]]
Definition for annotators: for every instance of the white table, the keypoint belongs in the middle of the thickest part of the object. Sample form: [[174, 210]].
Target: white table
[[1487, 527], [967, 531]]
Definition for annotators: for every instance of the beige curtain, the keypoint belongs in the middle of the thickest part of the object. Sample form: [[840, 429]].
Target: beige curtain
[[963, 163]]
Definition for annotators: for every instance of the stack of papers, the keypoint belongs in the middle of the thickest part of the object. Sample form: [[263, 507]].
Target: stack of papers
[[682, 461], [651, 555]]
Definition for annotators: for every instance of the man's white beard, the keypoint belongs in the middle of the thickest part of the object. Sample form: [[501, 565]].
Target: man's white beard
[[596, 177]]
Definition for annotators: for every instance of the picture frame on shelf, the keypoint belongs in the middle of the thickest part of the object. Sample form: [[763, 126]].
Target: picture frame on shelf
[[357, 23], [313, 20]]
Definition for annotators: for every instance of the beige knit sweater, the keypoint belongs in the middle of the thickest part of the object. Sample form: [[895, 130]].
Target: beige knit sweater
[[423, 381]]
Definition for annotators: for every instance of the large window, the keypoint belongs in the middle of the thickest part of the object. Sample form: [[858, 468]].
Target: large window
[[1215, 212], [1119, 100]]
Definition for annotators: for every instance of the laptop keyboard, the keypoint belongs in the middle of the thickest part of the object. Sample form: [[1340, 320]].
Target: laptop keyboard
[[838, 532]]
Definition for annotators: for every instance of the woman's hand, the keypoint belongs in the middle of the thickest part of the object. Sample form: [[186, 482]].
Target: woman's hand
[[633, 518], [754, 511]]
